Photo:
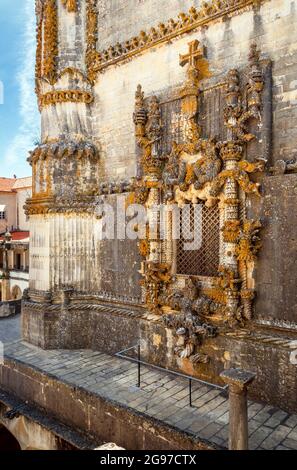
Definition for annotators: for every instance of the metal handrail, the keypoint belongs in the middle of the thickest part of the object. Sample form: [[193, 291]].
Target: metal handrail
[[138, 361]]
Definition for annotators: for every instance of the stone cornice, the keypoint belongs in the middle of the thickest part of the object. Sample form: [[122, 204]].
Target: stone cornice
[[165, 32]]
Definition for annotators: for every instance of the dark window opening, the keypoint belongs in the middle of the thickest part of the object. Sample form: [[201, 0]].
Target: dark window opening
[[18, 264], [7, 440]]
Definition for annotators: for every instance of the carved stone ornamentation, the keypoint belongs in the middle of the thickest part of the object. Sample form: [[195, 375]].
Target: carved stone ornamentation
[[156, 277], [164, 32], [148, 134], [189, 321], [71, 5], [50, 41], [237, 112], [47, 43], [65, 96], [47, 196], [212, 172], [91, 37]]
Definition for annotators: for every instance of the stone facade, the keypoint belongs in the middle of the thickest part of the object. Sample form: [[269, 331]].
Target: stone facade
[[13, 195], [213, 123], [14, 241]]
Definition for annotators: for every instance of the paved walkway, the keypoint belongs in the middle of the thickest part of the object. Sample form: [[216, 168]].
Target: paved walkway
[[10, 329], [162, 395]]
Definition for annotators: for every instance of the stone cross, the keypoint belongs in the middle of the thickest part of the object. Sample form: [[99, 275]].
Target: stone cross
[[195, 53]]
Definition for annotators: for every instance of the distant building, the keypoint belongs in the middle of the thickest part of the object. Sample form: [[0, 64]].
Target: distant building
[[14, 237], [13, 194]]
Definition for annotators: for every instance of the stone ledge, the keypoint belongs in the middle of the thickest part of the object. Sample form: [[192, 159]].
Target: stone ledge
[[66, 437], [101, 418]]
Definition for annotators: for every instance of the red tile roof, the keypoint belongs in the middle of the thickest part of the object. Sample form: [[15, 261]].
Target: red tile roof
[[17, 236], [7, 184]]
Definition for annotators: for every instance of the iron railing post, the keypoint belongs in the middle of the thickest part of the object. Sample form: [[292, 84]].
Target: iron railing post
[[139, 365]]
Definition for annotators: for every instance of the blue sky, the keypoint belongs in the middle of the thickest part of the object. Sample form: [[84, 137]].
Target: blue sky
[[19, 118]]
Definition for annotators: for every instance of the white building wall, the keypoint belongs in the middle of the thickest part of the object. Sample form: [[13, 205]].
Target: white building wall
[[21, 197]]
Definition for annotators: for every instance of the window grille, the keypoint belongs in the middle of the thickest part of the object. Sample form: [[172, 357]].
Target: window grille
[[2, 215], [205, 260]]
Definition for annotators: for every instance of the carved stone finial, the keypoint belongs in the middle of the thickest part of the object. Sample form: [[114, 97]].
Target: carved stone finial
[[154, 119], [254, 54], [140, 114], [256, 82]]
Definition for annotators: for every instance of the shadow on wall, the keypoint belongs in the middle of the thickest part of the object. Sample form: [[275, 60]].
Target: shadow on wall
[[7, 440]]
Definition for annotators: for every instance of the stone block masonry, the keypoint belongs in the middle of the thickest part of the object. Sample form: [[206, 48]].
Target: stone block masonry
[[96, 394], [239, 85]]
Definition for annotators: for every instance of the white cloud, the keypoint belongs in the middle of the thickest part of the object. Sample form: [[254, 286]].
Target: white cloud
[[17, 151]]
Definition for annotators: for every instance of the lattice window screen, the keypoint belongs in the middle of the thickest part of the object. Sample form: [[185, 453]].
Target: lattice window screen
[[205, 260], [172, 122]]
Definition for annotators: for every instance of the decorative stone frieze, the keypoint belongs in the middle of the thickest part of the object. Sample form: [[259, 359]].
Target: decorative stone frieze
[[164, 32], [65, 96], [46, 64]]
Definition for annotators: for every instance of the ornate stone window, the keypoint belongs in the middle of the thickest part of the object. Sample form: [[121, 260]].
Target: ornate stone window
[[196, 290]]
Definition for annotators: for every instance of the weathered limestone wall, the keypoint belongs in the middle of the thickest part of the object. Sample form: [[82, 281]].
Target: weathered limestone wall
[[71, 38], [227, 42], [30, 435], [276, 272], [34, 429], [112, 331], [66, 251], [22, 195], [274, 27], [121, 20], [9, 201], [108, 121]]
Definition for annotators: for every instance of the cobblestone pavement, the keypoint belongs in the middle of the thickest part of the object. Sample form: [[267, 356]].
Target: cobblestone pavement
[[10, 329], [162, 395]]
